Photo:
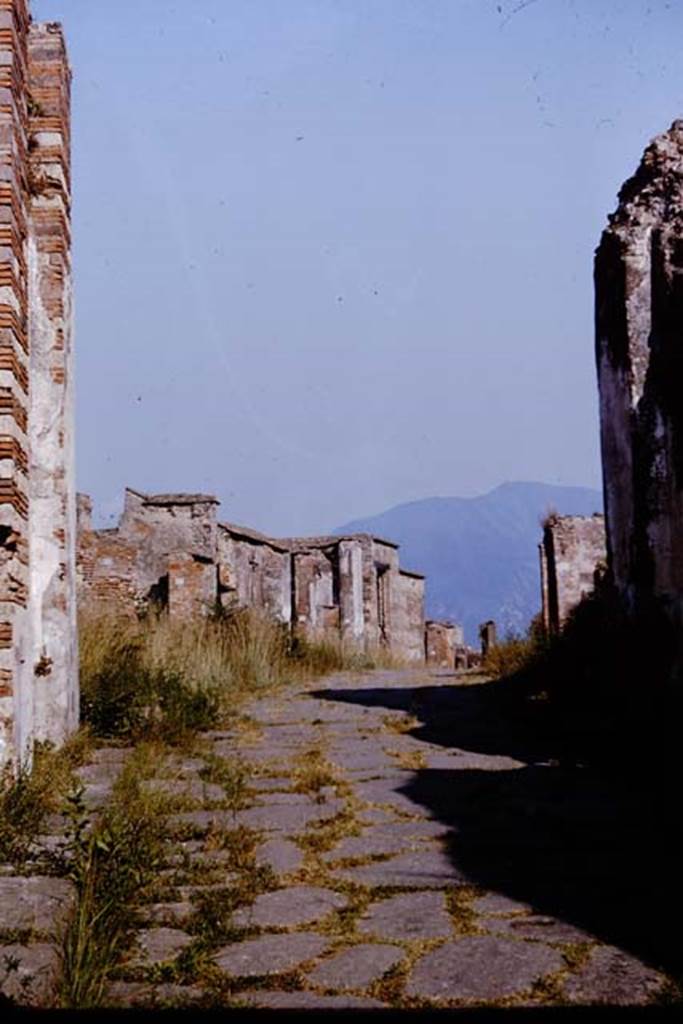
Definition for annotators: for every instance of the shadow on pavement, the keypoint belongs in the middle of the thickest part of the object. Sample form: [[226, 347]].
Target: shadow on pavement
[[591, 846]]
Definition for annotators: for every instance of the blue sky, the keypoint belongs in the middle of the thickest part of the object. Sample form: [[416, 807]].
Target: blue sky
[[332, 255]]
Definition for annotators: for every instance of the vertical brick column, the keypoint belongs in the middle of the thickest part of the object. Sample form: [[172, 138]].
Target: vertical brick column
[[15, 655], [52, 490]]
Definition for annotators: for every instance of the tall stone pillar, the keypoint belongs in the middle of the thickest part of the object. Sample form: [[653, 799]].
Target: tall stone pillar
[[53, 503], [352, 621]]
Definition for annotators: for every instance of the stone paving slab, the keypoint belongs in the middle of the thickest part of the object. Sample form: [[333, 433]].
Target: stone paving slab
[[422, 869], [34, 903], [366, 846], [420, 829], [310, 1001], [95, 795], [363, 768], [143, 993], [300, 904], [494, 903], [269, 954], [287, 819], [544, 929], [481, 968], [281, 855], [387, 791], [260, 757], [377, 816], [408, 916], [284, 800], [614, 977], [158, 945], [356, 967], [33, 982], [103, 771]]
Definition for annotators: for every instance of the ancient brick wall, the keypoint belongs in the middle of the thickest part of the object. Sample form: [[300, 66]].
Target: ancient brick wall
[[191, 586], [106, 572], [639, 317], [15, 639], [161, 524], [573, 549], [38, 674]]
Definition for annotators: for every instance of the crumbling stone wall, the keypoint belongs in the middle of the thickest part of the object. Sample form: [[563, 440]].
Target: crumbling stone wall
[[171, 549], [254, 571], [38, 650], [159, 525], [408, 622], [445, 646], [440, 644], [191, 585], [639, 317], [572, 551], [315, 576]]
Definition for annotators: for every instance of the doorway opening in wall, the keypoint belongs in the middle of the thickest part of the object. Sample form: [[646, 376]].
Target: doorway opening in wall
[[157, 596], [383, 604]]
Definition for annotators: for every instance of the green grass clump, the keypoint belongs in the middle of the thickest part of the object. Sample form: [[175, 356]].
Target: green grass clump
[[517, 652], [28, 796], [157, 677], [110, 862]]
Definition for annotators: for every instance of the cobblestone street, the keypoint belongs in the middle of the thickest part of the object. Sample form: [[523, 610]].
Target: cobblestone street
[[408, 851]]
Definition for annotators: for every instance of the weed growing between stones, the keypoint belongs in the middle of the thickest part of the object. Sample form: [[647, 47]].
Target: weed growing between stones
[[226, 991], [400, 723], [412, 760], [212, 922], [324, 835], [459, 906], [312, 773], [390, 988], [110, 862], [232, 775], [29, 796]]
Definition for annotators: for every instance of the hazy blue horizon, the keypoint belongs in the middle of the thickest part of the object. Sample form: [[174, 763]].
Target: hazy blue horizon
[[332, 256]]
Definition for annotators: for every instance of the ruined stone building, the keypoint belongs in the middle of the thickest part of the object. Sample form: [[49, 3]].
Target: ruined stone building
[[639, 326], [445, 645], [38, 648], [171, 549], [571, 553]]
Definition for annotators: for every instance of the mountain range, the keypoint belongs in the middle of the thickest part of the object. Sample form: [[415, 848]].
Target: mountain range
[[480, 555]]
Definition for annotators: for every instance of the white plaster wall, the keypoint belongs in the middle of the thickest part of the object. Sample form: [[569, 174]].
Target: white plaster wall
[[52, 604]]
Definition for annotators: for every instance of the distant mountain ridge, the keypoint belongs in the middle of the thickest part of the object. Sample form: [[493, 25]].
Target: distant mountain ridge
[[480, 555]]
